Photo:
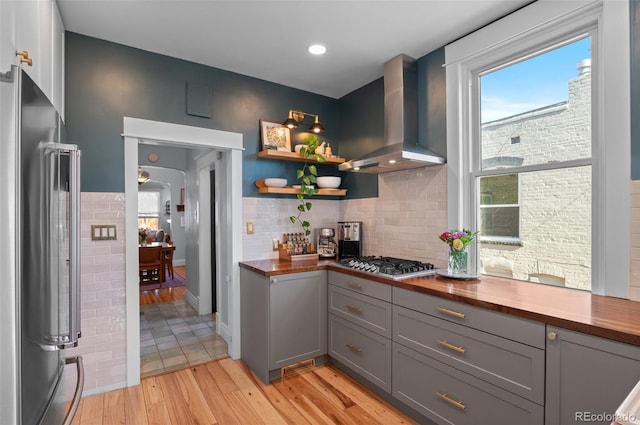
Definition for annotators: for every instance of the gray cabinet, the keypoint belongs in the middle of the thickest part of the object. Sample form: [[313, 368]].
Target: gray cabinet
[[283, 320], [364, 352], [450, 365], [447, 395], [587, 375], [508, 364], [360, 327]]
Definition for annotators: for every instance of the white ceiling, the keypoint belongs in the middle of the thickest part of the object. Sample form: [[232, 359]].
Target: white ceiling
[[268, 39]]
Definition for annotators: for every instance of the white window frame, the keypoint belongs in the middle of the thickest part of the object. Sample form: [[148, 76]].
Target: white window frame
[[525, 31]]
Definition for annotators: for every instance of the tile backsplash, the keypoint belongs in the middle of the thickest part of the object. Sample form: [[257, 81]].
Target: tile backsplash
[[407, 217], [404, 221]]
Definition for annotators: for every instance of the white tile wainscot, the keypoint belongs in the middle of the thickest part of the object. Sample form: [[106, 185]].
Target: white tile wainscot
[[103, 341]]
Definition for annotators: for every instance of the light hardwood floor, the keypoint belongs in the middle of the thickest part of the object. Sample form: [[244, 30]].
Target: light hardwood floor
[[227, 392], [164, 295]]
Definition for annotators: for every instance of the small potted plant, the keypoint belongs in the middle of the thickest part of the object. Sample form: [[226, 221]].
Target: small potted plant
[[307, 176]]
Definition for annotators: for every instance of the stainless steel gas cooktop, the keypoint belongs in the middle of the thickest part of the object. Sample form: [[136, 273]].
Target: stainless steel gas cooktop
[[393, 268]]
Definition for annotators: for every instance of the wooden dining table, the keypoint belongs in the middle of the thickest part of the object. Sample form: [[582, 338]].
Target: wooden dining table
[[166, 247]]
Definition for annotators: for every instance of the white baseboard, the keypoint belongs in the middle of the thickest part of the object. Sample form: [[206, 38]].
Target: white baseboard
[[104, 389], [191, 299], [223, 331]]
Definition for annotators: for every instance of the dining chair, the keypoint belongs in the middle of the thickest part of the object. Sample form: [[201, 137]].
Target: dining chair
[[150, 264], [168, 259]]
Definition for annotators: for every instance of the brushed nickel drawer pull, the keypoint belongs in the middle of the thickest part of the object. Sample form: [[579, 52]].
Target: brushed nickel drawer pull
[[354, 348], [354, 284], [450, 346], [450, 312], [354, 308], [445, 397]]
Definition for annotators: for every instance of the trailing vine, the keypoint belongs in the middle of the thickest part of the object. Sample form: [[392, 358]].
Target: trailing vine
[[307, 176]]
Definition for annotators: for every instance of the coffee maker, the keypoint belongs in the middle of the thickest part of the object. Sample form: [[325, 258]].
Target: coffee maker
[[349, 239], [326, 243]]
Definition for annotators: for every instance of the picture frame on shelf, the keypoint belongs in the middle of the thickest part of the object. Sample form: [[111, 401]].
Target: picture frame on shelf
[[275, 136]]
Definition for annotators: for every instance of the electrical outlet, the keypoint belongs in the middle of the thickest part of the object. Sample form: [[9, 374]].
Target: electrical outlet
[[274, 244], [250, 228]]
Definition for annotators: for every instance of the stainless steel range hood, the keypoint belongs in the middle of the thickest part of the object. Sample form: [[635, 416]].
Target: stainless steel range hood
[[401, 150]]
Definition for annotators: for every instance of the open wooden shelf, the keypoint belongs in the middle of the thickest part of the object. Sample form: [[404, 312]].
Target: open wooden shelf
[[295, 191], [292, 156]]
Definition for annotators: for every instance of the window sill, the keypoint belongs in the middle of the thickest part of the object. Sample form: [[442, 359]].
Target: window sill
[[511, 242]]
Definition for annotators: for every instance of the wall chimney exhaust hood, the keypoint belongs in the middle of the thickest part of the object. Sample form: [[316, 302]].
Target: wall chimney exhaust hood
[[401, 150]]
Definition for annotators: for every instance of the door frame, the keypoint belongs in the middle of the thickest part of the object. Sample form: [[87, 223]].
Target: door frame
[[230, 144]]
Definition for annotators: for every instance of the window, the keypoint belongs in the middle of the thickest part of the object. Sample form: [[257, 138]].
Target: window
[[499, 208], [532, 174], [553, 111], [148, 210]]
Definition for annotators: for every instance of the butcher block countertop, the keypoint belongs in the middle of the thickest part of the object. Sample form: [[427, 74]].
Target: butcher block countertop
[[608, 317]]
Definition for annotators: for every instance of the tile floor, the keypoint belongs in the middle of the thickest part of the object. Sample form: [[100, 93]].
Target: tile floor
[[173, 336]]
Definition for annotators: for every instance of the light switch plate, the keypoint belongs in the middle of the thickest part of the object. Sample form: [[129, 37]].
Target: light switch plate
[[103, 232], [250, 228]]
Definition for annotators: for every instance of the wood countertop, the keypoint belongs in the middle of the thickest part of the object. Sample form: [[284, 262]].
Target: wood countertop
[[609, 317]]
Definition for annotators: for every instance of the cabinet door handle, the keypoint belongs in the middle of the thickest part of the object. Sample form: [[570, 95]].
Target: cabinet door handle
[[24, 57], [354, 308], [445, 397], [354, 348], [450, 312], [354, 284], [552, 336], [450, 346]]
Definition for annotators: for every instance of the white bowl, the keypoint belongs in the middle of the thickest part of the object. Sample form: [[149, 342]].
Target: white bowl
[[328, 182], [274, 182]]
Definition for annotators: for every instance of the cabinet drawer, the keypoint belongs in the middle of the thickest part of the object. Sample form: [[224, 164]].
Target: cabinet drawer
[[370, 313], [516, 367], [511, 327], [449, 396], [360, 285], [365, 352]]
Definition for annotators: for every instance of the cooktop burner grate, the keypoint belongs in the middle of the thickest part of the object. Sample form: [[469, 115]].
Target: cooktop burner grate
[[395, 268]]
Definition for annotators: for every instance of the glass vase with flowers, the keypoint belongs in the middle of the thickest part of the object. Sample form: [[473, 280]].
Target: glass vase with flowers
[[458, 241]]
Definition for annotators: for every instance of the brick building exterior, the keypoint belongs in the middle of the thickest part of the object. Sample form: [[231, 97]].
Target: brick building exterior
[[554, 243]]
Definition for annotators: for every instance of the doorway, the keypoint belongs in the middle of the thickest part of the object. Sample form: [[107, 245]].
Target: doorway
[[229, 178]]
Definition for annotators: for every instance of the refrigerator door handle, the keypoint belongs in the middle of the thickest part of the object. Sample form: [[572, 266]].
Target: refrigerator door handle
[[70, 340], [77, 395], [74, 244]]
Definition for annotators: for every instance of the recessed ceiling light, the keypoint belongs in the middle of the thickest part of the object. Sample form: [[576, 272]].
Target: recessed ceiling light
[[317, 49]]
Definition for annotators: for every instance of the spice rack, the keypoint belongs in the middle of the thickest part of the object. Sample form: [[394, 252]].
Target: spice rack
[[297, 248]]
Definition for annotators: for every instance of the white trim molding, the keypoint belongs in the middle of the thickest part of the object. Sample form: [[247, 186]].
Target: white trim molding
[[230, 145]]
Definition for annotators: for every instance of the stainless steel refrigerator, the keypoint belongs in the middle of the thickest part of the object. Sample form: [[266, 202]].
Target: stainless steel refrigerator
[[39, 261]]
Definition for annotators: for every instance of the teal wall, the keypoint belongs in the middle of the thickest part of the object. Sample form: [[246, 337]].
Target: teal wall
[[107, 81]]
